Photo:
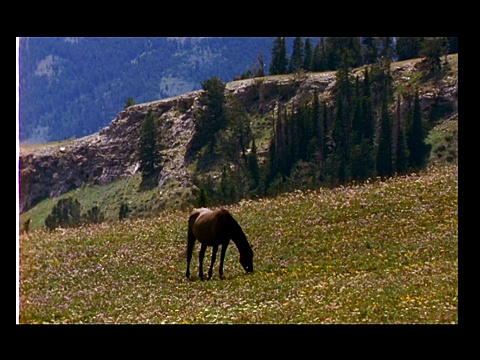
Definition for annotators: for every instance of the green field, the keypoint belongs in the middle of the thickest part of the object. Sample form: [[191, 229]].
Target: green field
[[377, 252]]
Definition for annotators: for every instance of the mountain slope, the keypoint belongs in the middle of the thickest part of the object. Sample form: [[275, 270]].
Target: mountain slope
[[73, 87], [100, 169]]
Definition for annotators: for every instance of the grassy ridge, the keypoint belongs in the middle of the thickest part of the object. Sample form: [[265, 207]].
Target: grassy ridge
[[379, 252]]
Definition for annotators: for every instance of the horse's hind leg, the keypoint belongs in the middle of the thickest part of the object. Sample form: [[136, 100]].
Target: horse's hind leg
[[214, 256], [190, 243], [201, 255]]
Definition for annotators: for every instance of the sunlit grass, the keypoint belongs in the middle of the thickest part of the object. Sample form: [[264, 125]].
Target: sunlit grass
[[379, 252]]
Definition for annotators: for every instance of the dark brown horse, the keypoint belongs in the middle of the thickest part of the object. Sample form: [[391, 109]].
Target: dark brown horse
[[214, 228]]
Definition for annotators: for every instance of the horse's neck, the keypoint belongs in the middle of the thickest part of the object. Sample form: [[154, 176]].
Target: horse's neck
[[238, 237]]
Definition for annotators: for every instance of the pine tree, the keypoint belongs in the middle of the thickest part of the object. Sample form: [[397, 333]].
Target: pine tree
[[123, 211], [202, 199], [239, 124], [367, 108], [224, 188], [356, 156], [319, 61], [432, 50], [129, 102], [370, 50], [296, 60], [453, 45], [65, 213], [338, 157], [210, 117], [343, 49], [316, 144], [148, 154], [253, 167], [308, 55], [418, 150], [386, 49], [408, 47], [279, 60], [384, 163], [401, 158]]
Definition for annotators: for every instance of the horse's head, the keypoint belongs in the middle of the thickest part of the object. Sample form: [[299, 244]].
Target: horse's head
[[247, 262]]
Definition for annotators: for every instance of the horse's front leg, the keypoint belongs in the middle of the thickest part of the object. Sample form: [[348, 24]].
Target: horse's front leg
[[222, 257], [203, 248], [214, 256]]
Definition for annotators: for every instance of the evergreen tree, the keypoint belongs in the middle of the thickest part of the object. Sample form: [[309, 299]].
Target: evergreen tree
[[384, 163], [279, 60], [343, 49], [386, 48], [418, 150], [338, 157], [333, 52], [357, 116], [453, 45], [408, 47], [239, 126], [224, 188], [367, 108], [401, 157], [94, 215], [432, 50], [129, 102], [356, 156], [210, 117], [370, 50], [253, 166], [308, 55], [296, 60], [316, 145], [319, 61], [123, 211], [65, 213], [202, 199], [148, 153]]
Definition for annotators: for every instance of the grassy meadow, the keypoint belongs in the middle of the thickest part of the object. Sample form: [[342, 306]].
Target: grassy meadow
[[377, 252]]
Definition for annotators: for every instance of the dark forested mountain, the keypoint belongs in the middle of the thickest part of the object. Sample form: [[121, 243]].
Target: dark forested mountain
[[72, 87]]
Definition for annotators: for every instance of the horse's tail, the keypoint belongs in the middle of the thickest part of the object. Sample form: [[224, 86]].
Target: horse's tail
[[191, 238], [191, 220]]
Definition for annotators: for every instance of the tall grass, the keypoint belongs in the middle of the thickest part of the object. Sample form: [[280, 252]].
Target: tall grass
[[377, 252]]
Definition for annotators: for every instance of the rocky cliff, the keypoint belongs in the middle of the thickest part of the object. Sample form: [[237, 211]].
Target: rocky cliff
[[53, 169]]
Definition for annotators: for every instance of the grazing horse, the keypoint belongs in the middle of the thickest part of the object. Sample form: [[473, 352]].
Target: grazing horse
[[215, 228]]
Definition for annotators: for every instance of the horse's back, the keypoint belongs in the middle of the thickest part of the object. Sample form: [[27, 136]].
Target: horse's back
[[206, 224]]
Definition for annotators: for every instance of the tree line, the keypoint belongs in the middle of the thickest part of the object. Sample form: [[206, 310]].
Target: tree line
[[357, 138], [329, 52], [365, 133]]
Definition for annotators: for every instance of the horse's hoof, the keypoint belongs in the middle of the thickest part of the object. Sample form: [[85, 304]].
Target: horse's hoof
[[222, 277]]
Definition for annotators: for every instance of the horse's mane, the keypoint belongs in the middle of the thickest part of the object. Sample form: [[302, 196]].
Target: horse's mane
[[242, 244]]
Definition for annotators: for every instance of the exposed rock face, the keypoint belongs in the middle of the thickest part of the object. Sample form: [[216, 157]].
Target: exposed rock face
[[105, 156], [110, 154]]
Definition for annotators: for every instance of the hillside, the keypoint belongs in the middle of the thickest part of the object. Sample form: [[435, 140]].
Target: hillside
[[101, 169], [379, 252], [73, 87]]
